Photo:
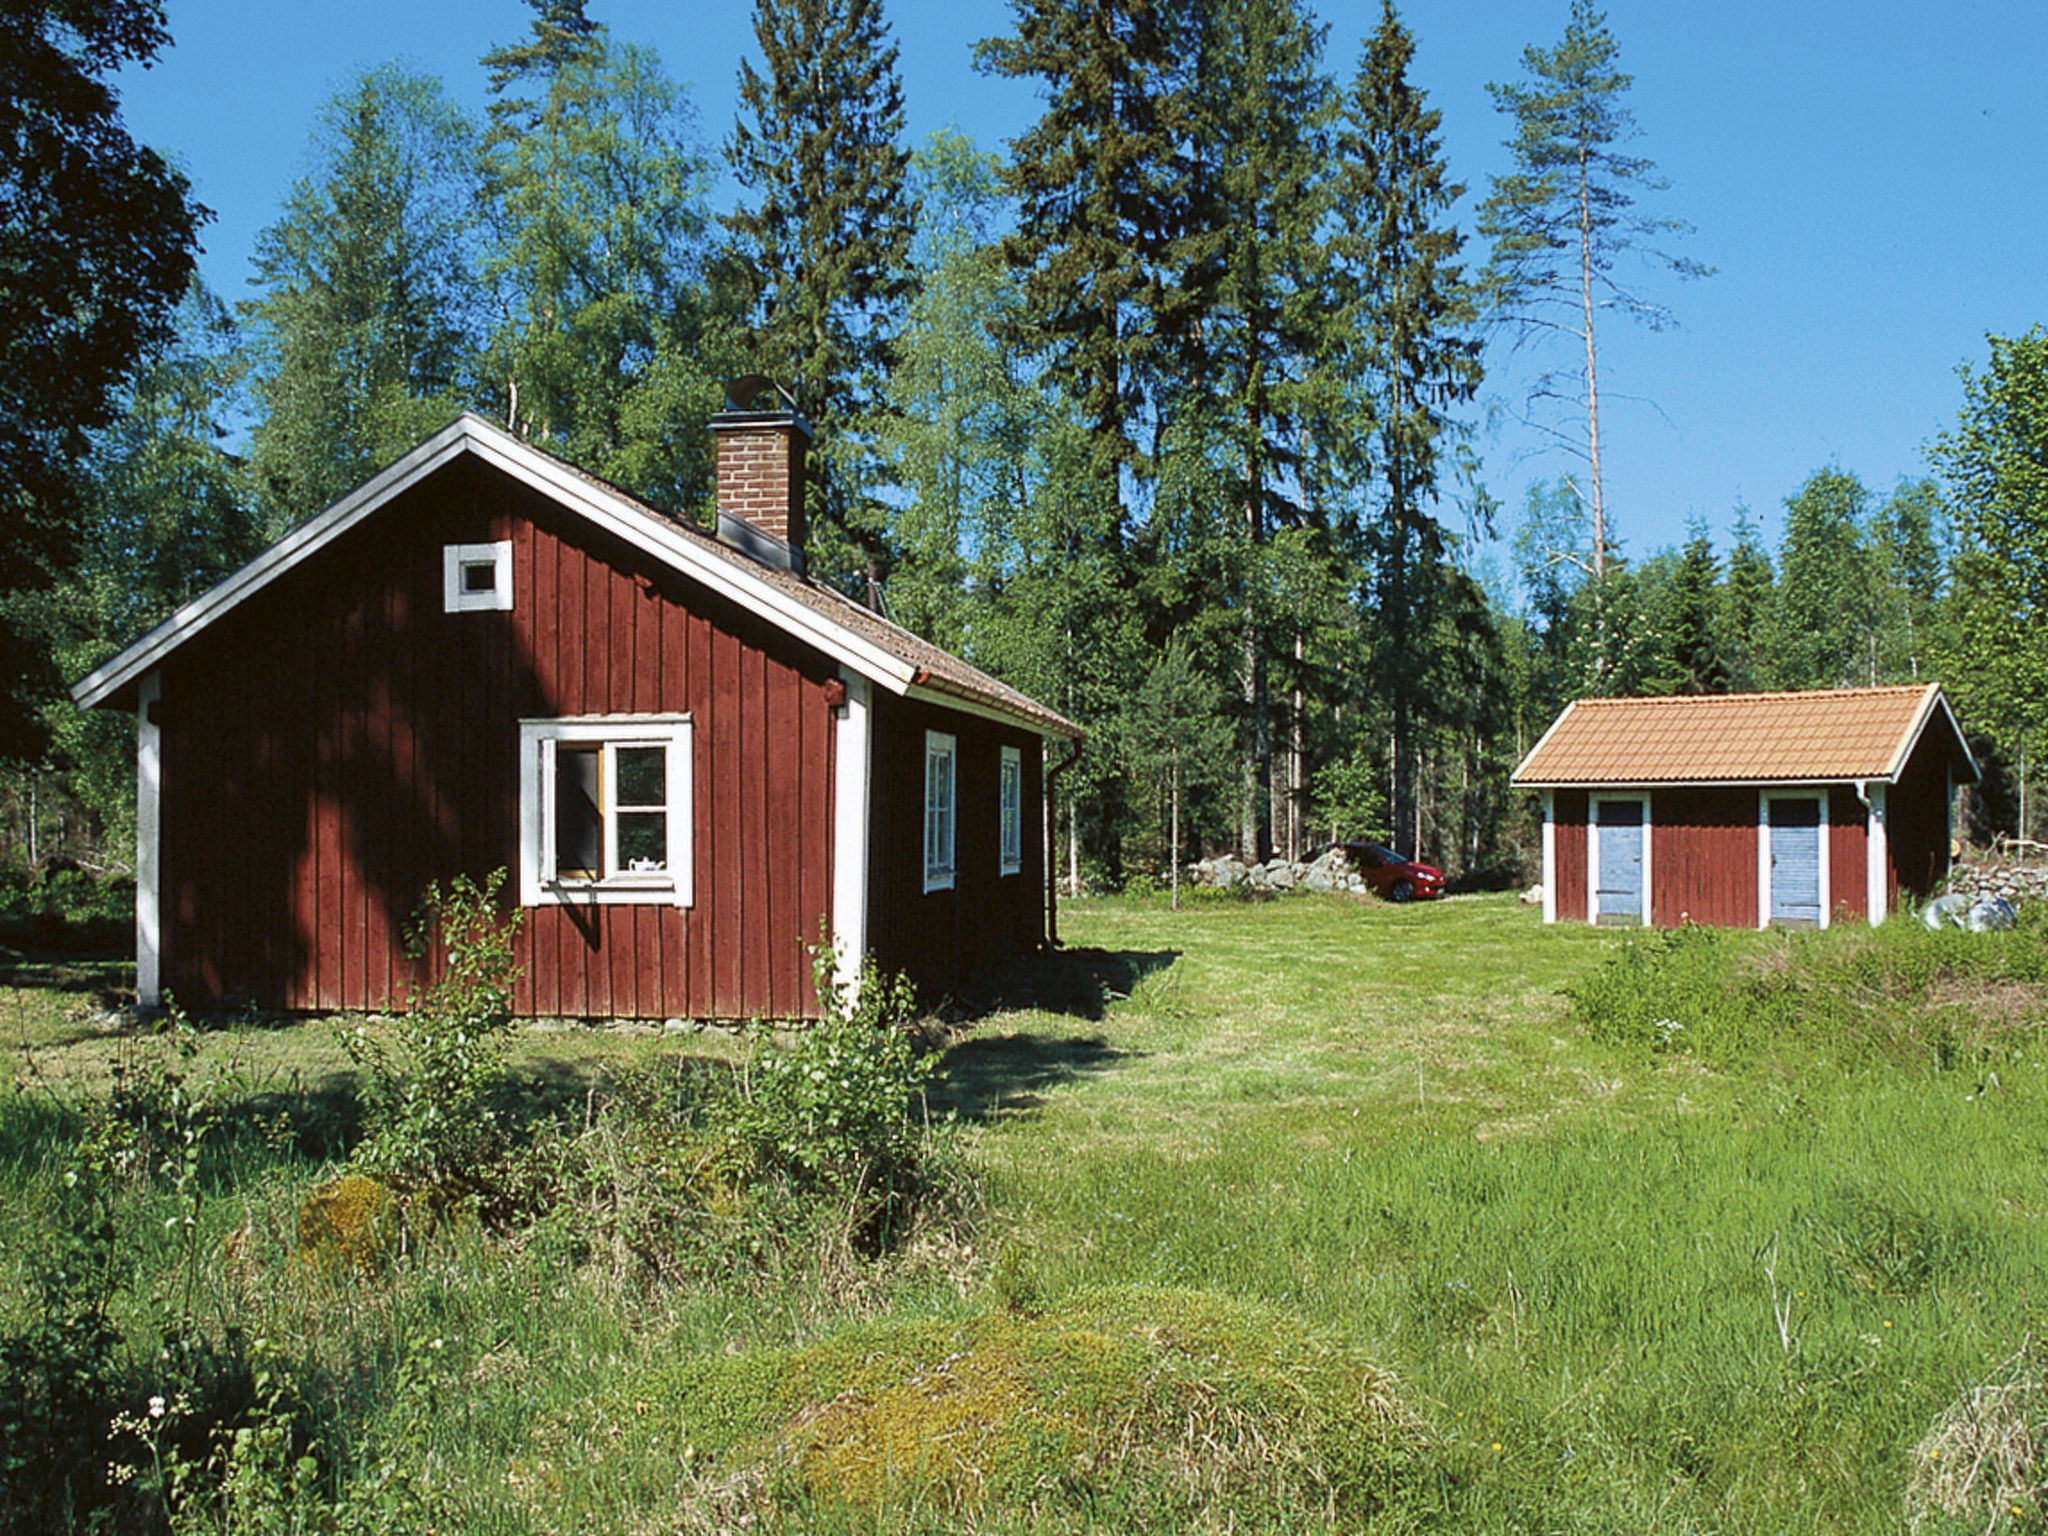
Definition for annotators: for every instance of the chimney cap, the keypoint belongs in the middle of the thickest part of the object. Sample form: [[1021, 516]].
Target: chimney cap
[[746, 393]]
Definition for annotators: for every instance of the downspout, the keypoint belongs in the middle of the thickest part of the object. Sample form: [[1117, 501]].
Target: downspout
[[1051, 841]]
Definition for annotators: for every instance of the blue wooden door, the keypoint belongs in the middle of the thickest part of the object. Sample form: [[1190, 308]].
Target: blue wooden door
[[1795, 863], [1618, 885]]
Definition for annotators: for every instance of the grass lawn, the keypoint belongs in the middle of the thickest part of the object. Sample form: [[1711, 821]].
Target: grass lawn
[[1620, 1287]]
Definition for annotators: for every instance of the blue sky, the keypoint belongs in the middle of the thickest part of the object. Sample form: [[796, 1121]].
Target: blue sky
[[1870, 182]]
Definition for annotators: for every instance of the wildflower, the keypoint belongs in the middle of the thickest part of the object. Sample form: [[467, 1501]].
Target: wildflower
[[156, 1407]]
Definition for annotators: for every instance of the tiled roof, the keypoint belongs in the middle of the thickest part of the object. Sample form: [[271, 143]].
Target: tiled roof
[[1841, 734]]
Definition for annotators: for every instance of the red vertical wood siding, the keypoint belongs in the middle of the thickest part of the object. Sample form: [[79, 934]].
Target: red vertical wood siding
[[1568, 848], [1917, 823], [1703, 857], [338, 741], [939, 938], [1848, 855]]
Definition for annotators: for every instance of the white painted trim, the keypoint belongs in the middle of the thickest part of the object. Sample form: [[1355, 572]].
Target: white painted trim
[[1550, 856], [674, 886], [1009, 861], [694, 554], [852, 770], [1593, 803], [149, 790], [1876, 855], [455, 594], [920, 693], [941, 876], [1515, 778], [1763, 849]]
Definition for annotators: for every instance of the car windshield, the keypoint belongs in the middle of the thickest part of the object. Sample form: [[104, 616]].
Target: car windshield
[[1386, 855]]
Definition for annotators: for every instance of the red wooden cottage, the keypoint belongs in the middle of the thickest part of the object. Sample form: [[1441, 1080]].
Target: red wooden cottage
[[1747, 810], [695, 763]]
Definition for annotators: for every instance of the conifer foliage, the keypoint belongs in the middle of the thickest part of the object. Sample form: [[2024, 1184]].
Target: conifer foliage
[[820, 251]]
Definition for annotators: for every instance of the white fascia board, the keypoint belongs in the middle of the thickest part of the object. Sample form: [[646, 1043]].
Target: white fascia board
[[473, 434], [1910, 743], [1515, 778], [307, 539], [682, 552], [1031, 725]]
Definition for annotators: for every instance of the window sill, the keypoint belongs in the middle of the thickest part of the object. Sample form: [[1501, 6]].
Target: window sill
[[615, 892]]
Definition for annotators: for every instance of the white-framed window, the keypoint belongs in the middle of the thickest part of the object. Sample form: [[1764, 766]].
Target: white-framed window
[[476, 577], [1010, 799], [605, 810], [940, 802]]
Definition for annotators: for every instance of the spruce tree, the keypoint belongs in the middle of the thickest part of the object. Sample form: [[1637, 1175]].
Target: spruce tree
[[1100, 182], [821, 247], [1410, 313]]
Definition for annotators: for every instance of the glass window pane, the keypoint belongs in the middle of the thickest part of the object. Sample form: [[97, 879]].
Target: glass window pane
[[643, 776], [579, 827], [643, 841]]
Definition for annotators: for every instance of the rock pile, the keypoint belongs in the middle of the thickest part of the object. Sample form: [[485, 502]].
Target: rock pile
[[1327, 873]]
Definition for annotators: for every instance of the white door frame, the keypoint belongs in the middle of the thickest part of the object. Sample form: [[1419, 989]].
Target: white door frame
[[1594, 801], [1764, 798]]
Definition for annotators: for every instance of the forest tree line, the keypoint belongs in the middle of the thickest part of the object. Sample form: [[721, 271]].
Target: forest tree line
[[1164, 414]]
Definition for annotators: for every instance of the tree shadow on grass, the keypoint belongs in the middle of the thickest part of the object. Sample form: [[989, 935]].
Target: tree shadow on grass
[[990, 1076], [1080, 983], [984, 1076]]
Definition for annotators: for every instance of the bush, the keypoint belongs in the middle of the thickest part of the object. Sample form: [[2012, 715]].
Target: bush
[[427, 1104]]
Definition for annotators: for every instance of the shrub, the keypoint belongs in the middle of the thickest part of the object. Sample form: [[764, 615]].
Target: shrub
[[430, 1121]]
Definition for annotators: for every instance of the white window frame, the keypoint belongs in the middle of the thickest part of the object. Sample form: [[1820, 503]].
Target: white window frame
[[1010, 809], [539, 745], [456, 597], [1763, 848], [941, 809]]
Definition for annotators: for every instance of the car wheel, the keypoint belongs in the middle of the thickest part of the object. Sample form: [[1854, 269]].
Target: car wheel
[[1401, 890]]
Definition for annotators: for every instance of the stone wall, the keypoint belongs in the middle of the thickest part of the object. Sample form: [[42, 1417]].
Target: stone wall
[[1325, 874], [2014, 881]]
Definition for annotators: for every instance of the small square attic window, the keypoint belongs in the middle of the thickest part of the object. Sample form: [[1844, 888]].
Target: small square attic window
[[476, 576]]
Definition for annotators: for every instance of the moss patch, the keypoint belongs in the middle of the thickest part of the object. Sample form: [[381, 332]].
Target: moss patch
[[1130, 1405]]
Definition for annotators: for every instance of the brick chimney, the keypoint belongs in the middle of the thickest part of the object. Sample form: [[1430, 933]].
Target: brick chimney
[[761, 475]]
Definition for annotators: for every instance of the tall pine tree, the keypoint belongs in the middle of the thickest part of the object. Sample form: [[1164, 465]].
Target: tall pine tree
[[1562, 217], [1101, 187]]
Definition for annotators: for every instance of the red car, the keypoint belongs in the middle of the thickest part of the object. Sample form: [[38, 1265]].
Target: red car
[[1393, 875]]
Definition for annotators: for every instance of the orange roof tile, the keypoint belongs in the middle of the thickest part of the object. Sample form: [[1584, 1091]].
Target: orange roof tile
[[1841, 734]]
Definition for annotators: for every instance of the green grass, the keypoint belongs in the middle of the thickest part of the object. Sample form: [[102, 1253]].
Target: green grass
[[1638, 1282]]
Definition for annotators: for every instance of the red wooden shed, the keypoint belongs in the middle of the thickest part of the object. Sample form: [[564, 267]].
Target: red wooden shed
[[695, 763], [1747, 810]]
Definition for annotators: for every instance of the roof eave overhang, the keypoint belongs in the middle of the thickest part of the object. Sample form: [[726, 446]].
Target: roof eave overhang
[[1034, 723], [1779, 783], [114, 682]]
